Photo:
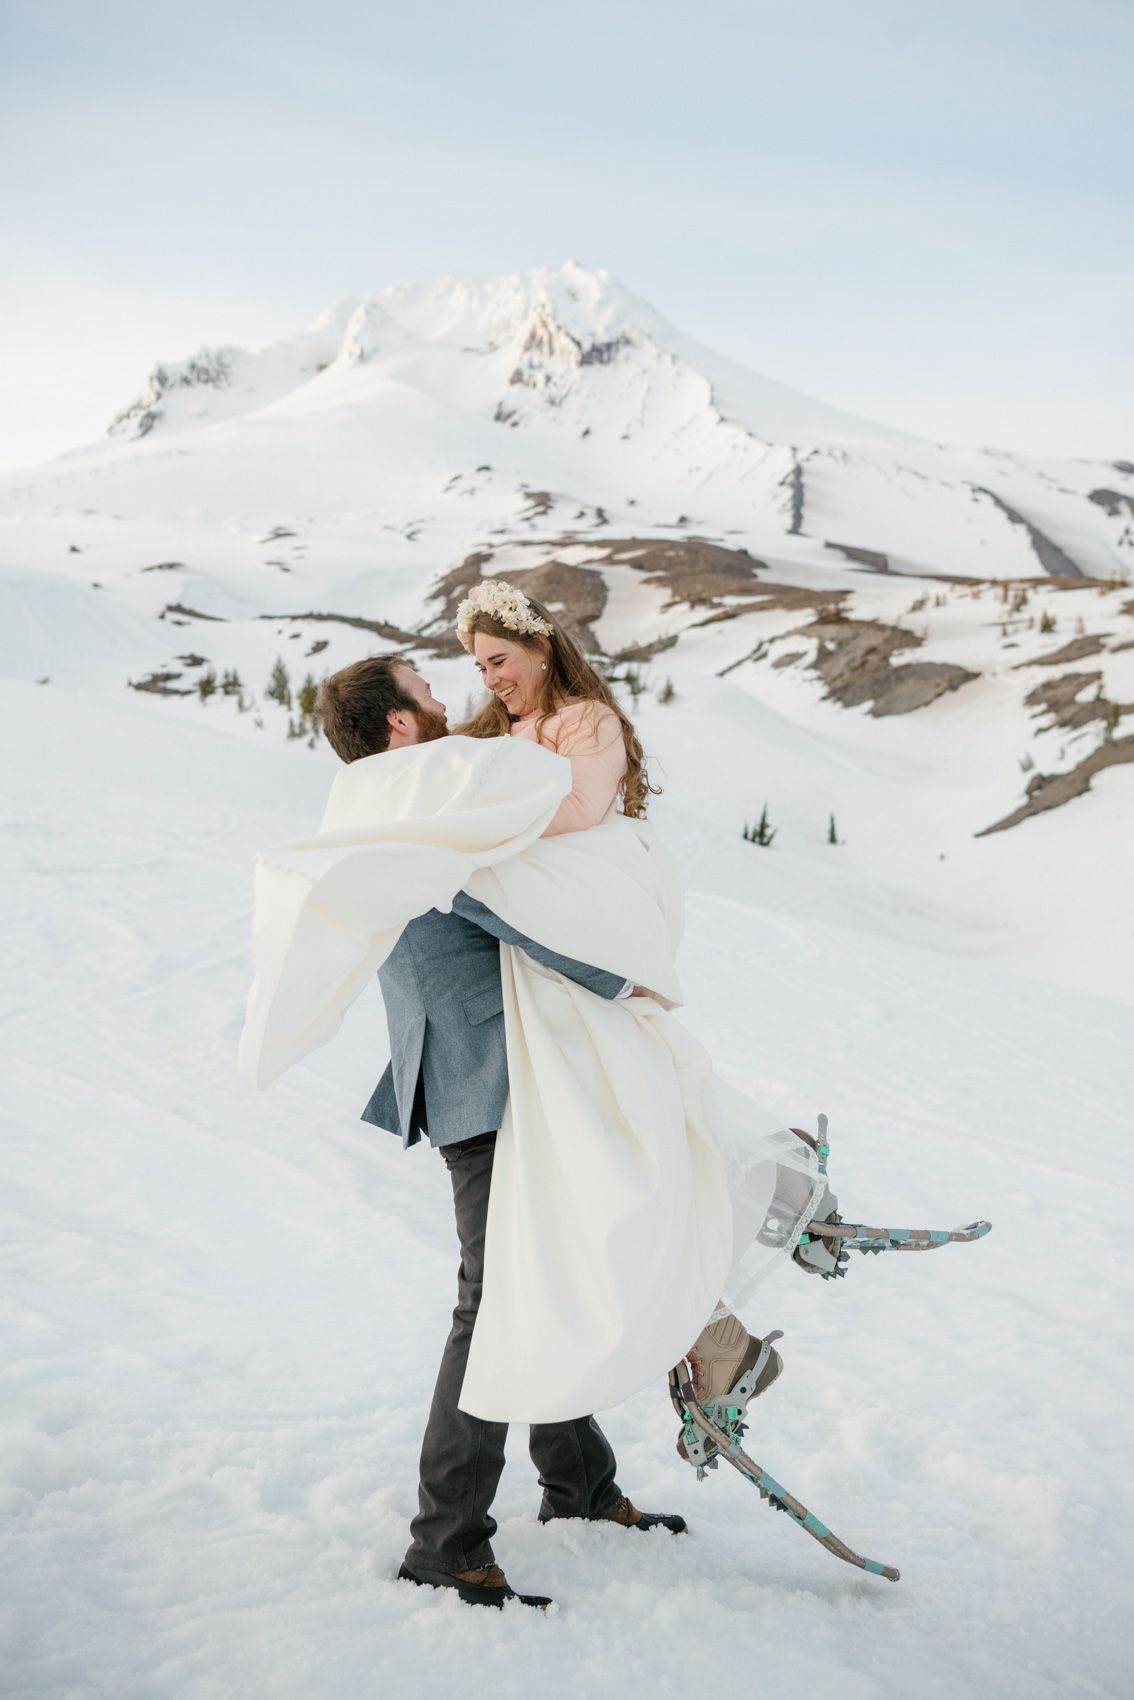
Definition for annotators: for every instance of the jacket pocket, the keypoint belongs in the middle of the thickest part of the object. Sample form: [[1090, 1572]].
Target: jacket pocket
[[484, 1005]]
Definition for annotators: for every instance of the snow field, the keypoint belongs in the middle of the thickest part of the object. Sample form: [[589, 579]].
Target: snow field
[[223, 1310]]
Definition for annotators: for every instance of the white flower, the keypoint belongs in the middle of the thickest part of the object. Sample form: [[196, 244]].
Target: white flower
[[503, 602]]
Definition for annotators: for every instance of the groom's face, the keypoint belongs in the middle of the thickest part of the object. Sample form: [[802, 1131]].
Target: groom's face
[[427, 721]]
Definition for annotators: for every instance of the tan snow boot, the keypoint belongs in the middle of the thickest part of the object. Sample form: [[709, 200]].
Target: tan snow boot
[[722, 1360]]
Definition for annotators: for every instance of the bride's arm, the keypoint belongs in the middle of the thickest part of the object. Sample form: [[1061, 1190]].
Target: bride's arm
[[590, 736]]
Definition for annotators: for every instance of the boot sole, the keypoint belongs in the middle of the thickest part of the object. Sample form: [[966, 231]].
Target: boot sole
[[472, 1596]]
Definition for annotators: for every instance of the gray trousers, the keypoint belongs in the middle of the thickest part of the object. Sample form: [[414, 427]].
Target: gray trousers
[[462, 1457]]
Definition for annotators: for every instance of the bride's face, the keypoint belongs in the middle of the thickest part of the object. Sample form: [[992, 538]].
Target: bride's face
[[511, 671]]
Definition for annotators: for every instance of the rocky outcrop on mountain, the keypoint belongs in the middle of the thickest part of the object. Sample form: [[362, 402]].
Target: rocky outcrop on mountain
[[211, 368], [1051, 791], [854, 660]]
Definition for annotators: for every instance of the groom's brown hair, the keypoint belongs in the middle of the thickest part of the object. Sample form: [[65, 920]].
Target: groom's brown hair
[[354, 703]]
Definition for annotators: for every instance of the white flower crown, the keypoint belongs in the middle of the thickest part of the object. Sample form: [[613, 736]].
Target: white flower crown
[[503, 602]]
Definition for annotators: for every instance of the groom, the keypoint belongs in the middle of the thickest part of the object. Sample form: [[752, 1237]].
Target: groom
[[448, 1079]]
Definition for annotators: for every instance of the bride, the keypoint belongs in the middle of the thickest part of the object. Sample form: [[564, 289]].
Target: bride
[[543, 687], [630, 1199]]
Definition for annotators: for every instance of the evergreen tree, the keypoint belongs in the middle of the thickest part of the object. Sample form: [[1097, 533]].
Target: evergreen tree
[[762, 833], [278, 688], [307, 699]]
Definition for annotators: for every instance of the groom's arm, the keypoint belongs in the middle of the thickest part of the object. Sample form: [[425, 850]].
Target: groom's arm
[[596, 980]]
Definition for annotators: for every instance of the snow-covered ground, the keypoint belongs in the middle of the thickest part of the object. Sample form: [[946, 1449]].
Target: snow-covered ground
[[222, 1311]]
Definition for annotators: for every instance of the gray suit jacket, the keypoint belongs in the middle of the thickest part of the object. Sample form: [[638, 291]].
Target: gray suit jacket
[[448, 1070]]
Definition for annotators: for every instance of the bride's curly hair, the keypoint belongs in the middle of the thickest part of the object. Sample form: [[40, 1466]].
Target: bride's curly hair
[[569, 677]]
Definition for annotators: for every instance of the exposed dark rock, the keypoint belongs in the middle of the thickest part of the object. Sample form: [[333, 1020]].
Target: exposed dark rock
[[872, 558], [765, 596], [646, 651], [757, 653], [794, 483], [164, 567], [1077, 650], [161, 685], [1112, 501], [212, 367], [792, 656], [1062, 699], [602, 353], [192, 660], [854, 662], [691, 569], [1123, 466], [318, 646], [189, 613], [1051, 557], [381, 628], [1051, 790]]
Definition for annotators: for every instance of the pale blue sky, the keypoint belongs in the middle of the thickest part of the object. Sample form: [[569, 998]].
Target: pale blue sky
[[922, 214]]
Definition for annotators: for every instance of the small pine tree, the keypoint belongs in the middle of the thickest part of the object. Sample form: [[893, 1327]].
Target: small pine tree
[[667, 692], [1113, 715], [206, 685], [762, 833], [307, 698], [278, 688], [231, 683], [1047, 621], [832, 834]]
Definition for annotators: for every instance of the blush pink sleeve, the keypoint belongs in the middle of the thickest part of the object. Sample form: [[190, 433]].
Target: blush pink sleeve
[[590, 735]]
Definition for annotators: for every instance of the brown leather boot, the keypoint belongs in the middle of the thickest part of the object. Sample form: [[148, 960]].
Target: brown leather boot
[[625, 1512], [487, 1585]]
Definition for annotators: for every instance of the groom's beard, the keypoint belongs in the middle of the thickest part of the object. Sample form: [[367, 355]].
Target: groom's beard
[[430, 726]]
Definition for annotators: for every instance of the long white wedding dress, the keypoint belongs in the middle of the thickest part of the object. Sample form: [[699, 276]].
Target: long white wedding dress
[[628, 1192]]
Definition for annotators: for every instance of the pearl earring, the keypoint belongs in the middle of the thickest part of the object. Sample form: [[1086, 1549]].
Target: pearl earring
[[543, 664]]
